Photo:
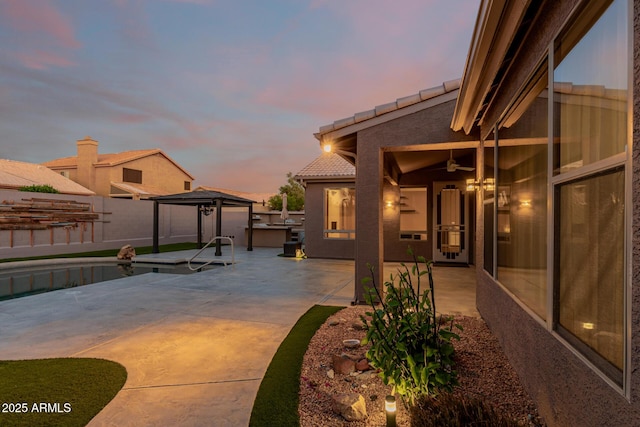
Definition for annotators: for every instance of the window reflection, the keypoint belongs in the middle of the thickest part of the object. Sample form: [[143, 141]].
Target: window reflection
[[590, 125], [521, 204], [340, 213], [590, 93], [591, 260]]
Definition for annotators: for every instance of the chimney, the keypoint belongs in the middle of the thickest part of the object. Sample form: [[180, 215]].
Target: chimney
[[87, 158]]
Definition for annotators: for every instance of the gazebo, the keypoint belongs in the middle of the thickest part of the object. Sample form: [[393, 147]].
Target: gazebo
[[204, 200]]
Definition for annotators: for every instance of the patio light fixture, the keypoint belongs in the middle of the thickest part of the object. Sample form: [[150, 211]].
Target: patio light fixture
[[473, 184], [327, 147], [390, 409]]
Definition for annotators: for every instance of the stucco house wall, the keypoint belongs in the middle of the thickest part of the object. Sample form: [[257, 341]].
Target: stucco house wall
[[418, 131], [157, 171], [316, 245], [567, 390]]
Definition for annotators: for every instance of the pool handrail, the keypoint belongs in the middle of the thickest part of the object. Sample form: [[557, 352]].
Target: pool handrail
[[233, 261]]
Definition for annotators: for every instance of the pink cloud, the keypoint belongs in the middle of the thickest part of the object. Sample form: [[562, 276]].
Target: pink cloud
[[40, 60], [40, 17], [386, 56], [45, 35]]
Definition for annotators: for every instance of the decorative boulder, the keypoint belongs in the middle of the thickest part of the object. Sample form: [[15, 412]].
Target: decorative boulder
[[362, 365], [126, 252], [351, 406], [343, 364]]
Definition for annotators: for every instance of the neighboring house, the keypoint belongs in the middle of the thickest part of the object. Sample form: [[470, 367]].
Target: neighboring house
[[137, 174], [14, 175], [545, 111], [330, 207]]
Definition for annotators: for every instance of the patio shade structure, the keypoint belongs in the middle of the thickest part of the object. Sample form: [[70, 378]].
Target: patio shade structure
[[203, 200]]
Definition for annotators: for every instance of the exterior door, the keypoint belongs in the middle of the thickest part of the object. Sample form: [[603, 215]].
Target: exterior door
[[451, 219]]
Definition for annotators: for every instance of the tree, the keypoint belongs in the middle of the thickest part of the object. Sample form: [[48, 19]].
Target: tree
[[295, 196], [46, 188]]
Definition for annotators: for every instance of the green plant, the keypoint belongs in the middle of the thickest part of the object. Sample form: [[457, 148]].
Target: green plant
[[295, 195], [451, 410], [39, 189], [410, 344]]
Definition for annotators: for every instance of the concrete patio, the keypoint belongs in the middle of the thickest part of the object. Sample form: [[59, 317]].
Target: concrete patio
[[195, 346]]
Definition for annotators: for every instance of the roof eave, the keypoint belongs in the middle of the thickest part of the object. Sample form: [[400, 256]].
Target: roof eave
[[495, 28]]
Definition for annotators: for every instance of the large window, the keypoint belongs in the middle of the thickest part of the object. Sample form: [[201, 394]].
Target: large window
[[413, 213], [590, 155], [340, 213], [559, 217], [522, 200], [590, 267]]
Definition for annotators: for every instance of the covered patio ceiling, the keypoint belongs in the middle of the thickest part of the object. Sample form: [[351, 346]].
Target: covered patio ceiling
[[203, 199]]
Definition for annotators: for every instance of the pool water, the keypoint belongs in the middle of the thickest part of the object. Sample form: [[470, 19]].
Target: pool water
[[16, 284]]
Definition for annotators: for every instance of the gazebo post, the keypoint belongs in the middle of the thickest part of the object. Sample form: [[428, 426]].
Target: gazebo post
[[218, 226], [250, 236], [156, 214], [199, 210]]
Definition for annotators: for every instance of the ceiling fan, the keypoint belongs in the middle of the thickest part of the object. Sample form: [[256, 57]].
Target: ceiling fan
[[452, 166]]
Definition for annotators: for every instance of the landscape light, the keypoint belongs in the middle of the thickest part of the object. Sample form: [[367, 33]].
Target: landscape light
[[390, 409]]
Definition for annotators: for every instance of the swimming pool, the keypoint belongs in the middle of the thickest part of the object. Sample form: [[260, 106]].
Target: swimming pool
[[16, 283]]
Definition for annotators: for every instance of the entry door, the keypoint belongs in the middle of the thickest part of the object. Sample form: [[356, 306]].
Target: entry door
[[451, 218]]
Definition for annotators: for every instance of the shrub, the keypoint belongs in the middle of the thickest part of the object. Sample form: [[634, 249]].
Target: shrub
[[450, 410], [39, 189], [409, 343]]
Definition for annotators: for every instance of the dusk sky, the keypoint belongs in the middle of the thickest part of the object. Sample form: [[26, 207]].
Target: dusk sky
[[232, 90]]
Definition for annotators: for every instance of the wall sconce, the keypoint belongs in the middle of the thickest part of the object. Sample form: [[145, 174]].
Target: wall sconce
[[473, 185], [525, 203], [588, 325], [389, 204], [390, 409]]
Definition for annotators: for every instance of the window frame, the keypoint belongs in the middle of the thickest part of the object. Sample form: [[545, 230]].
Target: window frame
[[133, 176], [349, 234], [555, 181]]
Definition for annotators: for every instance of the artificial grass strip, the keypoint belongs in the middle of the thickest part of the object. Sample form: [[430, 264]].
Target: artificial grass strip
[[66, 391], [277, 400]]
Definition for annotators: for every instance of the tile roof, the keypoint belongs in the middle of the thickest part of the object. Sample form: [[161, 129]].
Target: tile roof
[[327, 165], [398, 104], [112, 159], [14, 174]]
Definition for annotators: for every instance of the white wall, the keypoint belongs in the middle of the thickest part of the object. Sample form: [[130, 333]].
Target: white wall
[[121, 222]]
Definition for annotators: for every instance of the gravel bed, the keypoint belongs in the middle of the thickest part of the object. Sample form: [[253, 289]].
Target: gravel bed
[[483, 371]]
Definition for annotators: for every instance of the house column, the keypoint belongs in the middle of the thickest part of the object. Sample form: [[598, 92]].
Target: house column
[[369, 236]]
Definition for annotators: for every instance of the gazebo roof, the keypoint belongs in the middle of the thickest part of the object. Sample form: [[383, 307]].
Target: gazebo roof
[[204, 198]]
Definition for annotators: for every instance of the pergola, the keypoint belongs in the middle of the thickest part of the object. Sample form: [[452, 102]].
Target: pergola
[[203, 200]]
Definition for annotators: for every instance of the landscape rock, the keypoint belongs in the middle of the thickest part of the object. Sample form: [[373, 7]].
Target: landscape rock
[[362, 365], [126, 252], [358, 326], [343, 364], [351, 406]]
